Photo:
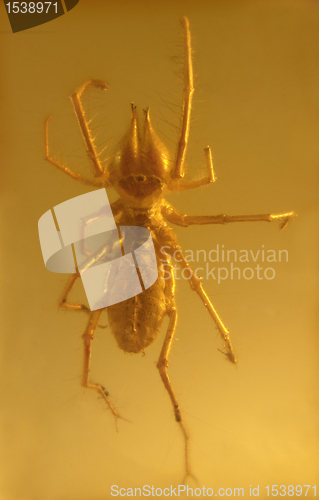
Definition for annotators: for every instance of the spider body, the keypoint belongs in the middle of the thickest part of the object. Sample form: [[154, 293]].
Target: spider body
[[141, 172]]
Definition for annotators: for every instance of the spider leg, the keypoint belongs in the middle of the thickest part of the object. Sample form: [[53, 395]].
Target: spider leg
[[63, 302], [175, 217], [92, 259], [84, 126], [162, 363], [196, 285], [178, 170], [65, 169], [162, 366], [87, 337], [175, 183], [180, 185], [117, 209]]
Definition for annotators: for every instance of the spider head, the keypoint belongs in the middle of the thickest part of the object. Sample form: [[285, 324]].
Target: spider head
[[140, 167]]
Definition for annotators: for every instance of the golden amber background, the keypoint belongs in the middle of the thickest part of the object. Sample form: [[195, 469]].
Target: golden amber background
[[257, 105]]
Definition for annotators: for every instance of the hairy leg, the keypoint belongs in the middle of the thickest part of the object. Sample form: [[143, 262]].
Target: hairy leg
[[87, 337], [196, 285], [162, 363], [84, 125], [59, 165], [175, 217]]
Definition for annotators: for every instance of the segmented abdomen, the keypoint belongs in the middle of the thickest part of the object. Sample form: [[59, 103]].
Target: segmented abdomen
[[136, 322]]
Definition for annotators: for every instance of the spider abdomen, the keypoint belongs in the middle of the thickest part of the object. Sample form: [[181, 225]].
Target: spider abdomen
[[136, 322]]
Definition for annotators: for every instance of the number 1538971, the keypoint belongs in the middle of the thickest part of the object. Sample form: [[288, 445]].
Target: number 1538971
[[31, 7]]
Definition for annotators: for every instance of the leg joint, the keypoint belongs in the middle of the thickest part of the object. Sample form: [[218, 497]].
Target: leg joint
[[178, 415], [162, 364], [88, 336]]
